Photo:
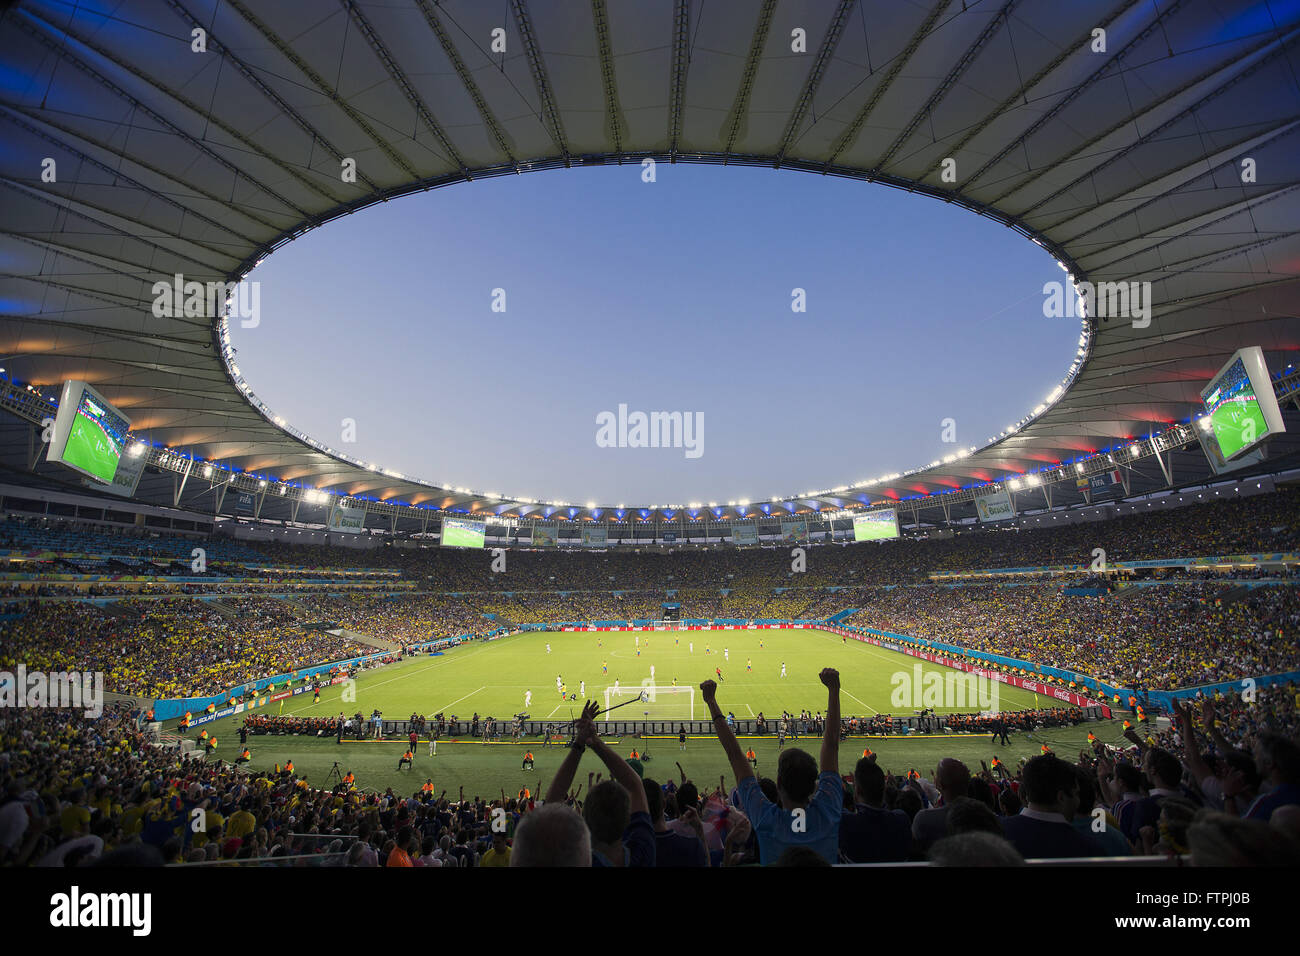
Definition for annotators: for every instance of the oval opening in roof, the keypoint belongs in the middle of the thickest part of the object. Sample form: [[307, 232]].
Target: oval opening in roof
[[772, 333]]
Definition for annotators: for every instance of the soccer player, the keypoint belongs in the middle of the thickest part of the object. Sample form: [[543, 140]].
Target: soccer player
[[558, 682], [548, 647], [749, 664], [582, 689], [604, 667], [718, 671], [616, 685], [783, 668], [692, 644], [726, 654], [652, 672], [528, 699]]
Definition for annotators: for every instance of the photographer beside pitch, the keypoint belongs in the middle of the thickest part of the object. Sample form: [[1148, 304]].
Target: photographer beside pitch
[[808, 816]]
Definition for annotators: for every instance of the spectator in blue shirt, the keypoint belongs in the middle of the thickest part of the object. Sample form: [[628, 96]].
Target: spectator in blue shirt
[[808, 812]]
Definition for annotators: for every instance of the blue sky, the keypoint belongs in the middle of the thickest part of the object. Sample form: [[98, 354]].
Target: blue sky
[[666, 296]]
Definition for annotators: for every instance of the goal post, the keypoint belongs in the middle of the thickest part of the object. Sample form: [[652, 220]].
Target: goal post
[[658, 702]]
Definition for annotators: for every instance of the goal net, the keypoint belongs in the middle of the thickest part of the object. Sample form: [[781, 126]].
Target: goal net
[[669, 626], [656, 702]]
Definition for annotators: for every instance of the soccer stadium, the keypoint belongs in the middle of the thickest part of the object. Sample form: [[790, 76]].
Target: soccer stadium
[[230, 640]]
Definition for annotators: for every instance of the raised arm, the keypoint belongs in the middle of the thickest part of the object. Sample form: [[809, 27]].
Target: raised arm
[[830, 762], [1195, 762], [564, 776], [726, 736], [620, 771], [1212, 729]]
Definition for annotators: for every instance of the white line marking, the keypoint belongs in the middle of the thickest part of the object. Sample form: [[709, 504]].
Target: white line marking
[[438, 710], [860, 701]]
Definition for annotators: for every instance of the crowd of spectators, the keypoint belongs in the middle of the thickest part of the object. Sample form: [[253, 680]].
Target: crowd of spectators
[[1219, 787], [1183, 630], [162, 649], [1164, 636]]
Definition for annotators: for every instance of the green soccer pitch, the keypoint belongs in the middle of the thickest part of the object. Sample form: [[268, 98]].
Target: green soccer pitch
[[90, 449], [491, 678]]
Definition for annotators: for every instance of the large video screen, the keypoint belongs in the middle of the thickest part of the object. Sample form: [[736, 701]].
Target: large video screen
[[457, 533], [876, 525], [89, 433], [1241, 405]]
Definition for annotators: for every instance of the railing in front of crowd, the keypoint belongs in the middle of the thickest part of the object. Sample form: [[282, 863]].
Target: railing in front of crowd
[[534, 731]]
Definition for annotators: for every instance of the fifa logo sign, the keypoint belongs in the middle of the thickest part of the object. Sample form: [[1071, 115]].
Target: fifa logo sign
[[204, 300]]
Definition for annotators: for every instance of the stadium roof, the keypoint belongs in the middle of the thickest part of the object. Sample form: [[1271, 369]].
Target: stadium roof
[[1126, 164]]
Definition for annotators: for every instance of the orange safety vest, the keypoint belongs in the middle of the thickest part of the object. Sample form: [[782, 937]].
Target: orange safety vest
[[428, 787], [407, 756], [529, 755], [289, 766], [246, 754], [349, 778]]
